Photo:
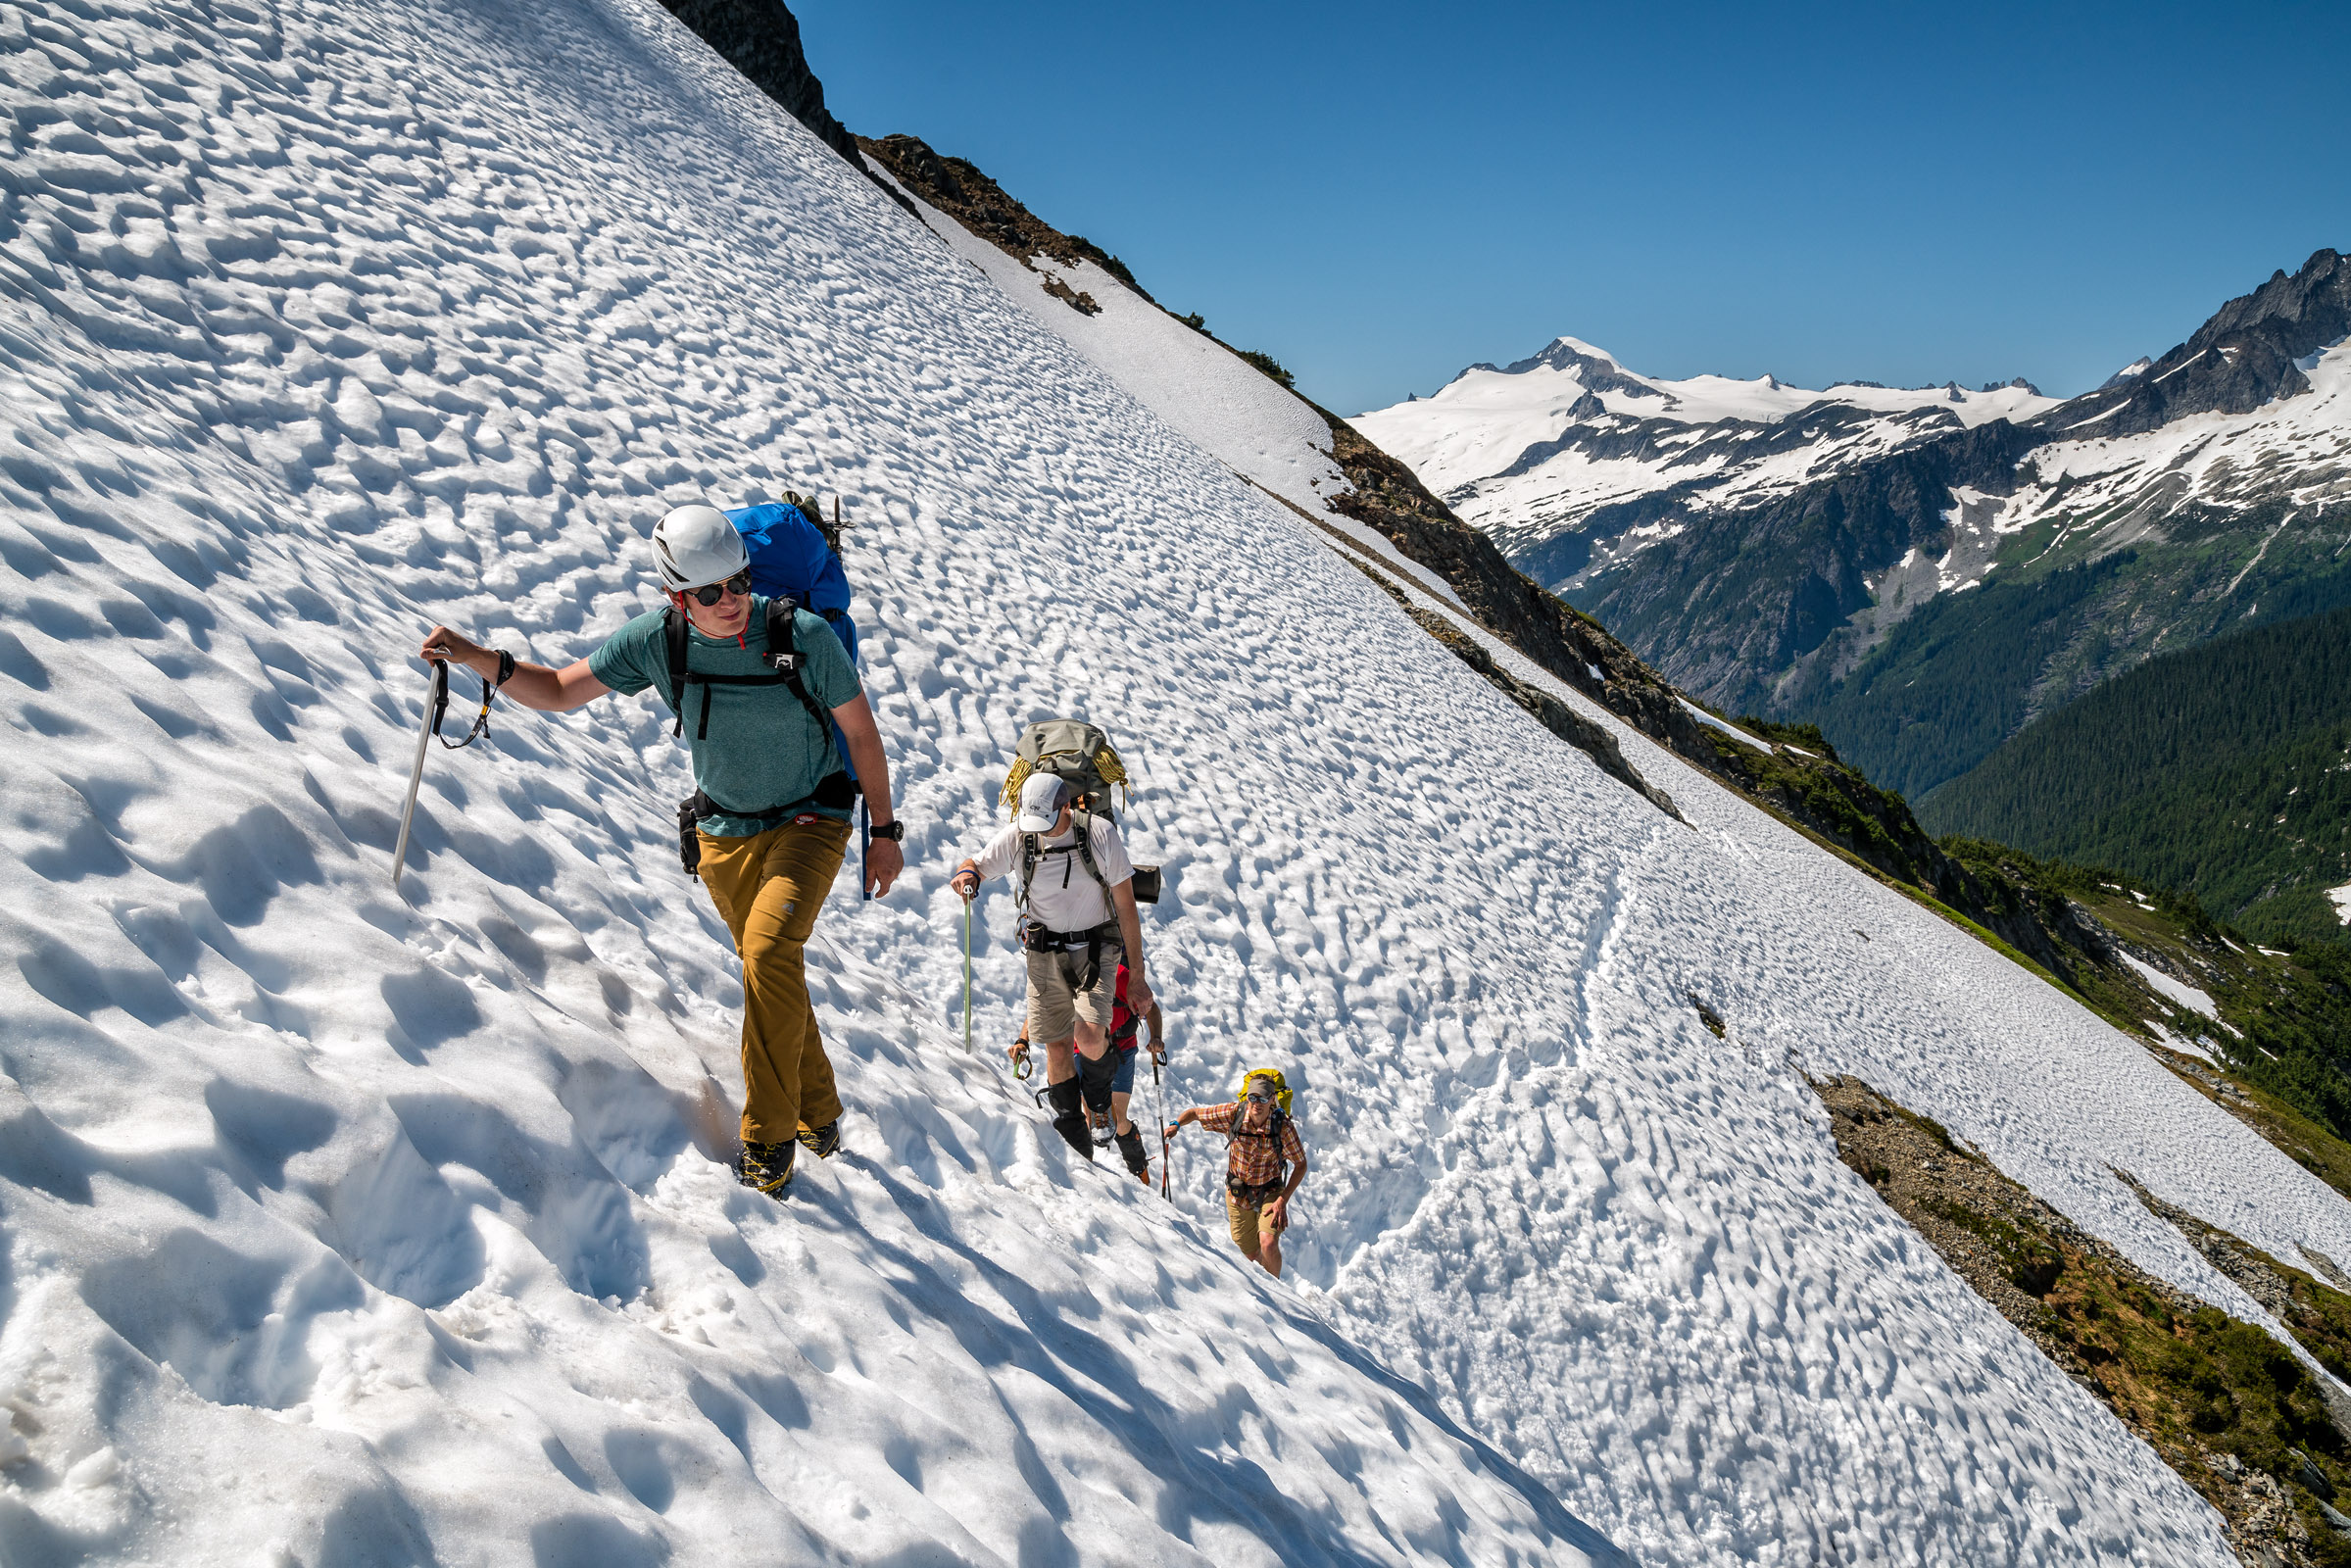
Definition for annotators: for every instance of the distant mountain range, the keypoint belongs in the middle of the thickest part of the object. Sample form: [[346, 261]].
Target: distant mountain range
[[1834, 555], [1529, 451]]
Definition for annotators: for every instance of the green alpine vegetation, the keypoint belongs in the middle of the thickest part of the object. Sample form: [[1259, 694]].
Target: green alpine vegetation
[[2222, 770], [1964, 672], [1956, 678]]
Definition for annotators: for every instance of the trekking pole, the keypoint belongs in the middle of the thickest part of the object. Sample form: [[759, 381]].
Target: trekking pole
[[1166, 1144], [433, 709], [967, 978], [864, 852]]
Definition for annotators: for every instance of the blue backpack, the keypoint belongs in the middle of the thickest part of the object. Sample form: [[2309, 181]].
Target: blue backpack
[[792, 559]]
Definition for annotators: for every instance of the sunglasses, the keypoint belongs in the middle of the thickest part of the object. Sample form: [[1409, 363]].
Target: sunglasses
[[710, 593]]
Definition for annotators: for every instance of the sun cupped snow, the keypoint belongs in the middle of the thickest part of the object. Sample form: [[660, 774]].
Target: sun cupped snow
[[342, 1226]]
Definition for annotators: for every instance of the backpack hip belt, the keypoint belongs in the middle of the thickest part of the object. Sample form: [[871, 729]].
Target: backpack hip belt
[[1255, 1196], [1038, 938], [836, 791]]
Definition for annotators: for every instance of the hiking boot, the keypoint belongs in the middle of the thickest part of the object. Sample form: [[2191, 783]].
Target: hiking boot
[[821, 1141], [764, 1167]]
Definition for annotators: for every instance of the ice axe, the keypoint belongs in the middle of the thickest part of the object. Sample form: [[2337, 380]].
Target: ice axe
[[1166, 1133], [433, 713]]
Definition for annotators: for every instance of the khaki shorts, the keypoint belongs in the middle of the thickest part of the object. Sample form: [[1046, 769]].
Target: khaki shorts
[[1056, 1003], [1251, 1230]]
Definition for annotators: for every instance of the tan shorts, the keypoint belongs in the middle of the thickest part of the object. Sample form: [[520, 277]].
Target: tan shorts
[[1056, 1003], [1251, 1230]]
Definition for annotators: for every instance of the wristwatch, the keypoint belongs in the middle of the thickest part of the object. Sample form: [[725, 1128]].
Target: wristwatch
[[894, 831]]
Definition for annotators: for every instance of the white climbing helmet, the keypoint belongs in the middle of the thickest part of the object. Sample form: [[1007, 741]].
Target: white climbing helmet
[[694, 546]]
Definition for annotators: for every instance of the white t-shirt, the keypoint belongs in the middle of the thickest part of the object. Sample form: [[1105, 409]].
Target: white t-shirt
[[1063, 897]]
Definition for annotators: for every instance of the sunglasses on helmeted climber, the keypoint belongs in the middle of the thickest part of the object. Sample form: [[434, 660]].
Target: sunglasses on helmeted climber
[[710, 593]]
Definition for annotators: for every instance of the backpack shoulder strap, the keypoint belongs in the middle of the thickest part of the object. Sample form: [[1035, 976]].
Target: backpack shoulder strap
[[1273, 1129], [673, 632], [1028, 868], [1083, 822], [784, 656]]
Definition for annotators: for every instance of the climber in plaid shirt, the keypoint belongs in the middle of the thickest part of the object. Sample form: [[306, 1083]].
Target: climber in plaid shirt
[[1263, 1139]]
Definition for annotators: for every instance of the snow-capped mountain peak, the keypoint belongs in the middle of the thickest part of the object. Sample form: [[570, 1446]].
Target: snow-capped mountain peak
[[1528, 449]]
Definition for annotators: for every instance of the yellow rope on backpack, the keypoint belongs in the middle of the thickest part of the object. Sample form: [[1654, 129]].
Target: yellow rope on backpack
[[1106, 763], [1009, 798]]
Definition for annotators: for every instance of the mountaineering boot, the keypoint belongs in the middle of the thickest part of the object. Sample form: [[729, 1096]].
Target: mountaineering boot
[[821, 1141], [1069, 1118], [764, 1167], [1130, 1149]]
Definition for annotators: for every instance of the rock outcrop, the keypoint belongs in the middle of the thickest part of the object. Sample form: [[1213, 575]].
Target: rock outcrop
[[2241, 359]]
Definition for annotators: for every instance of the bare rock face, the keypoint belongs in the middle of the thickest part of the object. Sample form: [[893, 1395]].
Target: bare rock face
[[2241, 359], [760, 38], [957, 187]]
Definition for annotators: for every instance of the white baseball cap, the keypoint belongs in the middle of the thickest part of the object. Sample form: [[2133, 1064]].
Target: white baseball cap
[[1041, 802]]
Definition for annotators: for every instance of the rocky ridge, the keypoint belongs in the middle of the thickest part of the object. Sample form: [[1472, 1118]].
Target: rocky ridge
[[2246, 354]]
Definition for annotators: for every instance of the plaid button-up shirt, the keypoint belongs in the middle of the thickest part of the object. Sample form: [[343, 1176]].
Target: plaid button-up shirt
[[1256, 1156]]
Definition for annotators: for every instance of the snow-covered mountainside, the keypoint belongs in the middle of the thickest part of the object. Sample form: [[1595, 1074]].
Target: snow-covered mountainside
[[349, 1227], [1264, 432], [2119, 488], [1763, 559], [1528, 451]]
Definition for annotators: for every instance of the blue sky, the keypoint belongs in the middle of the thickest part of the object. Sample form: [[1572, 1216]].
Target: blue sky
[[1378, 194]]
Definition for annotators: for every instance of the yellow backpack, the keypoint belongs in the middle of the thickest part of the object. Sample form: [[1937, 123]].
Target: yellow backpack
[[1281, 1086]]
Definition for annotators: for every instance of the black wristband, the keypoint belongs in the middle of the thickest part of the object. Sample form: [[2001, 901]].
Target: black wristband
[[895, 832], [505, 668]]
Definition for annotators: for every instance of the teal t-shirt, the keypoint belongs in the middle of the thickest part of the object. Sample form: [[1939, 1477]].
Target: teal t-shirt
[[764, 750]]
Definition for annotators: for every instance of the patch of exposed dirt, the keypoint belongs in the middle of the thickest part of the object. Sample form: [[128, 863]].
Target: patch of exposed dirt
[[2227, 1406]]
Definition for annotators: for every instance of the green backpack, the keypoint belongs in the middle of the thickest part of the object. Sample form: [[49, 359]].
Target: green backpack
[[1082, 757], [1073, 751]]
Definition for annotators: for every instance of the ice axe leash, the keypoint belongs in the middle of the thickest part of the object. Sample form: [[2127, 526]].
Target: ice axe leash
[[967, 977]]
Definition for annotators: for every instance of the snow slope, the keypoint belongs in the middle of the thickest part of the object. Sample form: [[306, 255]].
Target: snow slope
[[1521, 453], [1224, 405], [340, 1230], [346, 1228]]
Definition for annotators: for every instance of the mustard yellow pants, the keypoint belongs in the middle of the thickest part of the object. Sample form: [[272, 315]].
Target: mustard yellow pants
[[768, 888], [1250, 1229]]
